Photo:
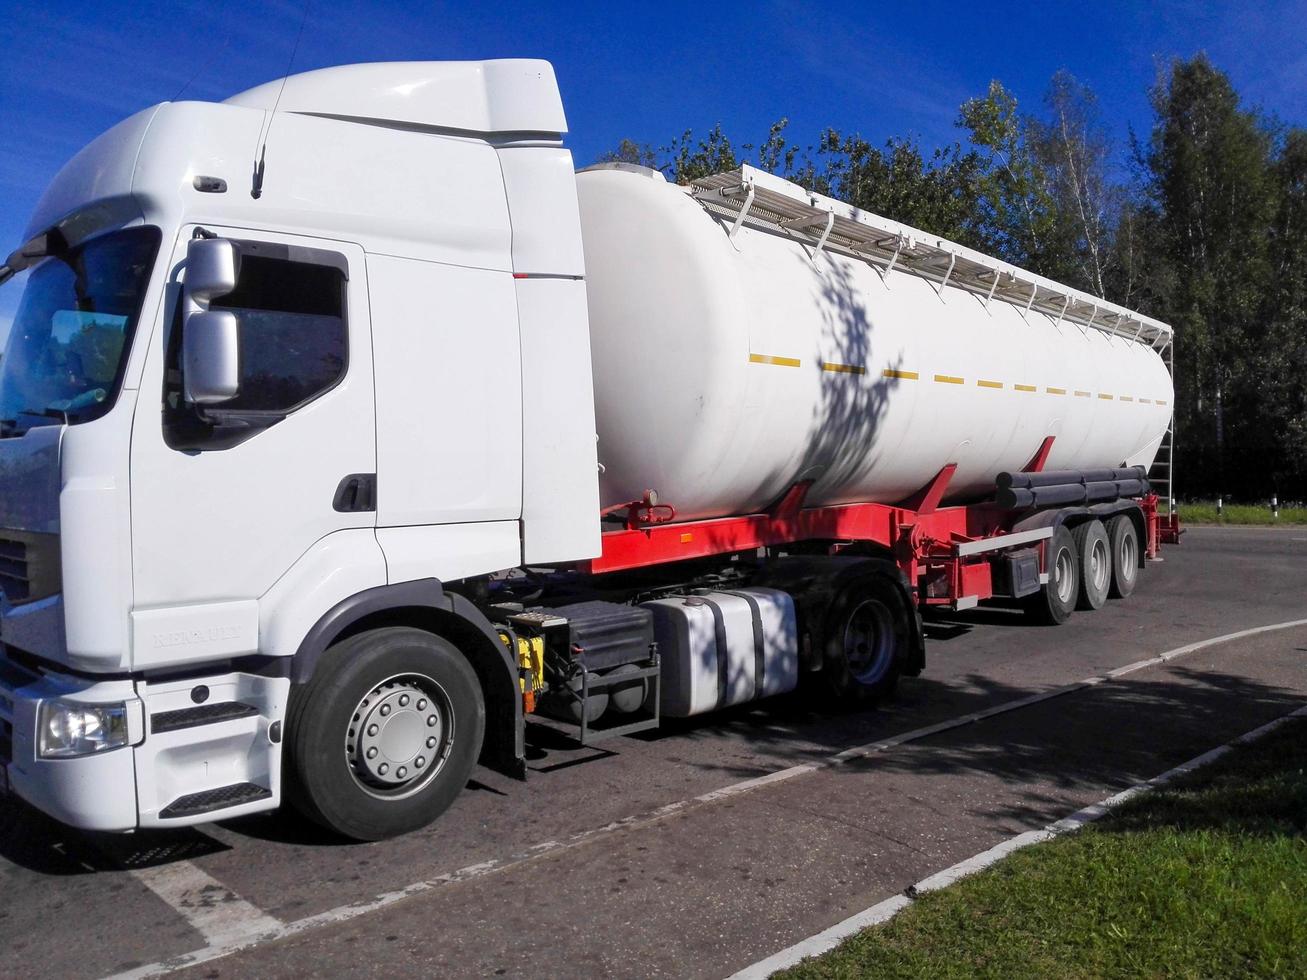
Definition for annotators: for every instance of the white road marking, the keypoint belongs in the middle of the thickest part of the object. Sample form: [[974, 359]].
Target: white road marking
[[212, 909], [257, 934], [884, 911]]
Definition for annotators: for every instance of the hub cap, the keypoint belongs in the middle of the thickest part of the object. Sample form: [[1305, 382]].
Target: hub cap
[[1129, 563], [1100, 566], [869, 642], [400, 735], [1064, 576]]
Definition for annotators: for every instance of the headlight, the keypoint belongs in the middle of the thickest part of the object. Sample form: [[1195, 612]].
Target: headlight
[[68, 729]]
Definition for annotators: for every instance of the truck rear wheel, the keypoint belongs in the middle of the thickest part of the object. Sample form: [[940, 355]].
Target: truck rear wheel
[[384, 735], [1095, 564], [1056, 601], [1123, 542], [866, 639]]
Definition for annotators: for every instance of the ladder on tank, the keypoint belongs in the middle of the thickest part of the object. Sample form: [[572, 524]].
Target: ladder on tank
[[1161, 476]]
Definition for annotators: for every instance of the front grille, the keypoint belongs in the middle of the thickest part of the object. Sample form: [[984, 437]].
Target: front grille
[[29, 565], [14, 576]]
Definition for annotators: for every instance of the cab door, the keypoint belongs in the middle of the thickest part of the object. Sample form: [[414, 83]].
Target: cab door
[[227, 498]]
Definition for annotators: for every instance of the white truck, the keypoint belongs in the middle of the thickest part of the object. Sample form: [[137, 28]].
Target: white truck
[[343, 426]]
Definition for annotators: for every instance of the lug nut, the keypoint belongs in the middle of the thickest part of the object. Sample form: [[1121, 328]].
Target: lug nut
[[403, 700], [419, 762], [432, 721], [431, 742], [385, 710], [401, 772], [422, 704], [373, 729], [383, 769], [372, 753]]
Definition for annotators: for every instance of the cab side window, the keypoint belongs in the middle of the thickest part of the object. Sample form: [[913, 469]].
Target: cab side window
[[292, 332]]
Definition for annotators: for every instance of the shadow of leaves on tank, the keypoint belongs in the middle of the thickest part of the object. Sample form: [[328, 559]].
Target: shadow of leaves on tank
[[856, 377]]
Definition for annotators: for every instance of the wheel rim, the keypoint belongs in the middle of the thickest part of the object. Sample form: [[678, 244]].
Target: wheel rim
[[1064, 576], [869, 641], [399, 736], [1129, 563], [1100, 566]]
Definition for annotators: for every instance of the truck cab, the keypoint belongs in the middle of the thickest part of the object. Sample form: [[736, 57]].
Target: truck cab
[[285, 368]]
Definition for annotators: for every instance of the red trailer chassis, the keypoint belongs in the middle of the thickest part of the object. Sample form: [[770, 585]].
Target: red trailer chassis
[[944, 551]]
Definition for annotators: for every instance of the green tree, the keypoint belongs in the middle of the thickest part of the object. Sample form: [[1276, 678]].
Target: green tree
[[1281, 362], [1014, 192], [1210, 196], [629, 151], [1073, 148], [936, 193], [689, 159]]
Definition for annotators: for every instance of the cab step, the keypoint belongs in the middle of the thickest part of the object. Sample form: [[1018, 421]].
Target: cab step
[[200, 714], [209, 800]]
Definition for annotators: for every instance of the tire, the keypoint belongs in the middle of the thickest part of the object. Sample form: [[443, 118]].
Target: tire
[[1054, 603], [385, 734], [866, 638], [1095, 564], [1123, 544]]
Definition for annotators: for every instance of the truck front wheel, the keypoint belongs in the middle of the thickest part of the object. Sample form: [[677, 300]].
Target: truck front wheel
[[384, 735]]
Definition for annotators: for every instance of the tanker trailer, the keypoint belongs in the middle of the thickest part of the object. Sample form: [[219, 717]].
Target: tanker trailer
[[737, 353]]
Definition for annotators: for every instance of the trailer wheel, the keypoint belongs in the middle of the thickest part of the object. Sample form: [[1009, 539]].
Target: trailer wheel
[[1054, 603], [1123, 541], [866, 640], [1095, 564], [385, 733]]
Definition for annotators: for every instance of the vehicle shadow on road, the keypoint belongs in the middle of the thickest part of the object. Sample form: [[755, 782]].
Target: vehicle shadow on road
[[1109, 736], [31, 840]]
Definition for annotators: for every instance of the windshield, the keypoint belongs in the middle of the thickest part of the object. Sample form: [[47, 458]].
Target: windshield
[[68, 345]]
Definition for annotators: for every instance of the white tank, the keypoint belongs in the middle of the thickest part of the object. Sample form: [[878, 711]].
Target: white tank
[[728, 367]]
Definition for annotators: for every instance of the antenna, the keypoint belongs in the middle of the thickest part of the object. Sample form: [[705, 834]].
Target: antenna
[[256, 191], [204, 65]]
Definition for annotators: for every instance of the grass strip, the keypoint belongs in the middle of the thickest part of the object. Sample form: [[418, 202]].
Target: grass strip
[[1237, 514], [1206, 877]]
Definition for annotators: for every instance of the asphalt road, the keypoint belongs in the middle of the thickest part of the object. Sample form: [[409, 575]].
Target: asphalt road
[[615, 863]]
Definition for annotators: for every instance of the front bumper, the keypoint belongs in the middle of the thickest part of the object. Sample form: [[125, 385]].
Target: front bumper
[[87, 791]]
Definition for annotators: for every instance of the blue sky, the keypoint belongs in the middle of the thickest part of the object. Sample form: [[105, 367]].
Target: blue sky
[[70, 70]]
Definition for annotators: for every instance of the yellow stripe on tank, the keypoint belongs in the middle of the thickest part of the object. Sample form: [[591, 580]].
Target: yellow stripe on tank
[[1056, 391], [1025, 387], [900, 375], [774, 359], [1082, 394], [1105, 396], [989, 384], [843, 368], [948, 379]]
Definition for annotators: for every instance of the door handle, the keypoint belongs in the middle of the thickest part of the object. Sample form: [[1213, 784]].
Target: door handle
[[356, 493]]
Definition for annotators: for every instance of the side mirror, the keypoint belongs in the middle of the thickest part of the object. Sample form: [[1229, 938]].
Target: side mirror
[[211, 357], [210, 338], [212, 267]]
